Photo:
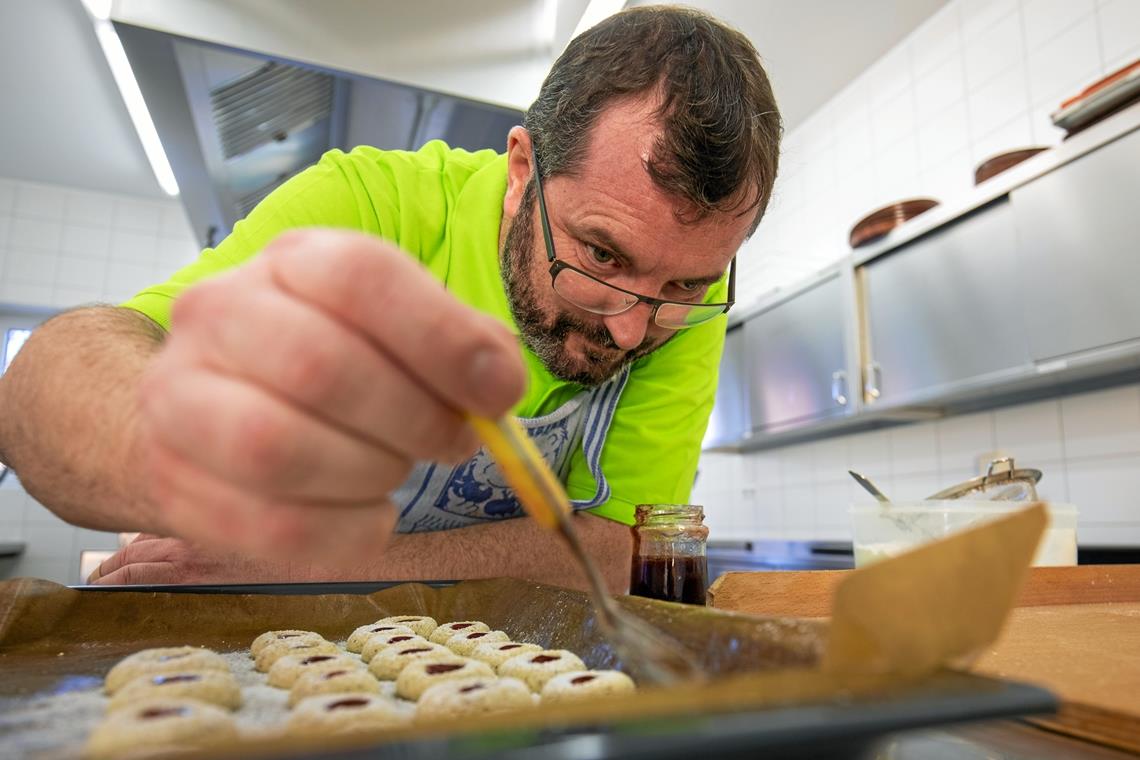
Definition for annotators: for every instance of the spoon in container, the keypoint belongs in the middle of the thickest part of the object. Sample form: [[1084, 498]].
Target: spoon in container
[[656, 656], [869, 487]]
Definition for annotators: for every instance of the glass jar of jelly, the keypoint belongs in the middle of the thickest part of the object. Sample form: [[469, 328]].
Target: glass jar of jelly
[[669, 559]]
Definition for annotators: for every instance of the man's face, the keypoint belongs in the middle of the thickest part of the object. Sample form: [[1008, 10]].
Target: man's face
[[610, 220]]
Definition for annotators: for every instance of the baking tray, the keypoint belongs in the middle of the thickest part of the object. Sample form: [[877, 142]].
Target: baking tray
[[847, 723]]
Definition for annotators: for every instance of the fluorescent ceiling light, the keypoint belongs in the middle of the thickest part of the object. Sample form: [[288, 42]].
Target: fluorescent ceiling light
[[596, 11], [100, 11]]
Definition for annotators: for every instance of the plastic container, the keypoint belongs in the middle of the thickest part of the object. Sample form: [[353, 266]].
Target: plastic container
[[882, 531]]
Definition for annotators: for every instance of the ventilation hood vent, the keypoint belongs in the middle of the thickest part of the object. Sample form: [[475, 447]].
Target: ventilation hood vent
[[268, 105]]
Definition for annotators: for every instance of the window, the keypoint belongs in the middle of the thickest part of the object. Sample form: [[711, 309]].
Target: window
[[13, 341]]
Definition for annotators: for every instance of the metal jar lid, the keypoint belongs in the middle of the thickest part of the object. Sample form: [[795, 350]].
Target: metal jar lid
[[1002, 482]]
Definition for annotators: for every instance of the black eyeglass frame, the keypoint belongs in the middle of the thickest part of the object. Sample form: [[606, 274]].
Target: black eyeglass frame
[[557, 265]]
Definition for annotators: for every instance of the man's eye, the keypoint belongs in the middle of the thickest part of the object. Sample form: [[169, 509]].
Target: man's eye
[[690, 286], [598, 255]]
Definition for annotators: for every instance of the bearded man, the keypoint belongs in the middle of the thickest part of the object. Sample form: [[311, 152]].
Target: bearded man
[[292, 405]]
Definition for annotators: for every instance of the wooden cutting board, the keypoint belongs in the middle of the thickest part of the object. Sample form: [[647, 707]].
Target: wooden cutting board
[[1076, 631], [1089, 655]]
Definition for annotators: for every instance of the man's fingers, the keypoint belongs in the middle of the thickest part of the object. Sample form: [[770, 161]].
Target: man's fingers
[[325, 366], [144, 573], [466, 358]]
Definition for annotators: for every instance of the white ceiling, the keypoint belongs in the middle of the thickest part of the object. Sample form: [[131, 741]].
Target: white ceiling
[[64, 122]]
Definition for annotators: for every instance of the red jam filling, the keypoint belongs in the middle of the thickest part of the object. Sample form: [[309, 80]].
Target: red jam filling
[[582, 679], [341, 704], [471, 688], [316, 658], [417, 651], [541, 658], [334, 674], [162, 712], [444, 667]]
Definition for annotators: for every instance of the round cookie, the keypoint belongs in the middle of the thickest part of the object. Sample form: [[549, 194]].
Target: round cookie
[[447, 630], [418, 677], [496, 653], [156, 662], [345, 713], [473, 696], [464, 642], [161, 726], [279, 649], [211, 686], [360, 635], [340, 681], [578, 685], [421, 624], [270, 637], [378, 642], [289, 668], [536, 668], [389, 662]]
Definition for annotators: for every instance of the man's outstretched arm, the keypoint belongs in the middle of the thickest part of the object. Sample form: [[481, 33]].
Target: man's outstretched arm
[[517, 548], [69, 416]]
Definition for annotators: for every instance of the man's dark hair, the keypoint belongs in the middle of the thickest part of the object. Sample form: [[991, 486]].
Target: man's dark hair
[[720, 141]]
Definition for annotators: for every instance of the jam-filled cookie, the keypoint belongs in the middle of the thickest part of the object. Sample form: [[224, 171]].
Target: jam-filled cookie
[[278, 649], [160, 727], [418, 677], [378, 642], [473, 696], [496, 653], [421, 624], [536, 668], [346, 713], [464, 642], [447, 630], [339, 681], [389, 662], [356, 641], [289, 668], [271, 637], [577, 685], [215, 687], [156, 662]]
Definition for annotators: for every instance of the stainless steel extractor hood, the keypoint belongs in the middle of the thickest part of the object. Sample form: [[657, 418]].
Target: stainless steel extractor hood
[[236, 124]]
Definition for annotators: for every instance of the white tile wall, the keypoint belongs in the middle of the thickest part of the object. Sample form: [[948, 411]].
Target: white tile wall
[[978, 78], [1088, 446], [62, 247]]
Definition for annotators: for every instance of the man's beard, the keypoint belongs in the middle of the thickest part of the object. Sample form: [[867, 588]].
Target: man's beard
[[546, 335]]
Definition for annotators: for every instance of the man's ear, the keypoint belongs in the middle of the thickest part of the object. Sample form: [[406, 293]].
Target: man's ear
[[519, 169]]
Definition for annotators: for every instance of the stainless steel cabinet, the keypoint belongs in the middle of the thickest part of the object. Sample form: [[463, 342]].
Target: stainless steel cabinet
[[943, 312], [796, 358], [729, 421], [1079, 232]]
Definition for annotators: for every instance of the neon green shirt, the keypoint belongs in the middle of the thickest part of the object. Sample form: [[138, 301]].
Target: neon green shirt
[[444, 207]]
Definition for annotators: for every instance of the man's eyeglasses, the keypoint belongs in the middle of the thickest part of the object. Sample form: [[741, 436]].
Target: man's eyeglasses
[[598, 297]]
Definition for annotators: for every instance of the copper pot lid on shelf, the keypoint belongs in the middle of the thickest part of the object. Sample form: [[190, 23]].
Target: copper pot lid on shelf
[[995, 165], [881, 221]]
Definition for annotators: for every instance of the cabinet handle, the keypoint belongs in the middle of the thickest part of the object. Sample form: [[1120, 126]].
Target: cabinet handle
[[874, 381], [839, 387]]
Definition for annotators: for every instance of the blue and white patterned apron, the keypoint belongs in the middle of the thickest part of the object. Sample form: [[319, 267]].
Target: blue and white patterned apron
[[436, 497]]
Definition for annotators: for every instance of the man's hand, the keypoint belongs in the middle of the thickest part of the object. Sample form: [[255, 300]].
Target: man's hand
[[150, 560], [294, 394]]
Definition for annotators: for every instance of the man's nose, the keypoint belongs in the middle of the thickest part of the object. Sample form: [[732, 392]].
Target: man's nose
[[628, 329]]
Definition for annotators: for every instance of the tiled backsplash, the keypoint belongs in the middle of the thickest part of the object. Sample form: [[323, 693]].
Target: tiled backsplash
[[62, 247], [978, 78], [1087, 445]]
